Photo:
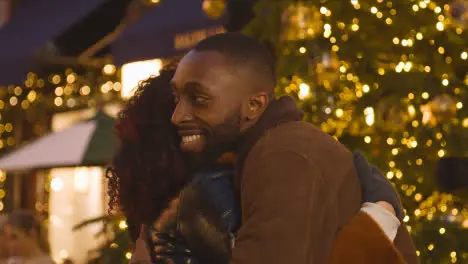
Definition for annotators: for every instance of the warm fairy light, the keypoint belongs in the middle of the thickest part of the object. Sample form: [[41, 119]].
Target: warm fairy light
[[464, 55], [370, 116], [71, 78], [465, 223], [465, 122], [390, 175], [123, 225], [304, 91], [58, 101], [114, 245], [109, 69], [85, 90], [339, 112], [128, 255], [13, 101], [325, 11], [367, 139], [3, 192], [327, 30], [59, 91], [391, 132], [441, 153], [440, 26], [365, 88], [32, 95]]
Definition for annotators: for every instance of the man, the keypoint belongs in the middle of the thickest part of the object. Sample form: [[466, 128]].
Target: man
[[297, 186]]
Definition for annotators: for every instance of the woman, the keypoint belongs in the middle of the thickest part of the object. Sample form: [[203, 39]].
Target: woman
[[27, 239], [191, 216]]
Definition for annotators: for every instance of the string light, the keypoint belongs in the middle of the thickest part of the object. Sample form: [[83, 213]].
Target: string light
[[3, 191], [65, 90], [123, 225], [335, 106], [404, 135]]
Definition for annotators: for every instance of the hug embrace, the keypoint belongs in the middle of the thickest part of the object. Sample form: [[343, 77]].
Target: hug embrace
[[212, 168]]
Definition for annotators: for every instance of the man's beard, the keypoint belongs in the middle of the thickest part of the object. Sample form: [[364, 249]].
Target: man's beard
[[220, 140]]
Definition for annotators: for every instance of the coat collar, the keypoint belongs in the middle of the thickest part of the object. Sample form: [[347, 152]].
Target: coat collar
[[279, 111]]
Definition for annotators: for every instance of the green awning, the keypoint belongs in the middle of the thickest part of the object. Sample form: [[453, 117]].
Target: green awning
[[88, 143]]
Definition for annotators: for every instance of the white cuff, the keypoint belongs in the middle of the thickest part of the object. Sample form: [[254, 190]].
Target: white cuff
[[385, 220]]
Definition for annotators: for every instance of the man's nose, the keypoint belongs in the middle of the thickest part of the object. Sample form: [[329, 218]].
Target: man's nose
[[182, 113]]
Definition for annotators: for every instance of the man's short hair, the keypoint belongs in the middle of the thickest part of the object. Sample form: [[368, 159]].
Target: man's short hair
[[245, 51]]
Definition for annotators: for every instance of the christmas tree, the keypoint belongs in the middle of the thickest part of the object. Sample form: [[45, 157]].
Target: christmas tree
[[116, 246], [388, 78]]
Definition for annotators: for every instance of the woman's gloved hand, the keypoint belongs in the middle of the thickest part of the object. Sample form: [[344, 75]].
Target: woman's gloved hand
[[202, 227], [375, 187]]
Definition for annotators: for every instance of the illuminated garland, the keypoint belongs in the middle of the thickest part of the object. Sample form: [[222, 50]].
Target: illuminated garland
[[72, 89], [389, 78]]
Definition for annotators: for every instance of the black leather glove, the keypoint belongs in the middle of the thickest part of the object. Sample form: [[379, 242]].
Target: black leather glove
[[375, 187], [202, 227]]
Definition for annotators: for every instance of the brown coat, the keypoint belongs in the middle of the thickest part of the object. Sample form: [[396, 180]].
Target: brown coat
[[362, 241], [298, 188]]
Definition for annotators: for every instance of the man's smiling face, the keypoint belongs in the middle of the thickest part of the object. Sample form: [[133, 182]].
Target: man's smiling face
[[209, 101]]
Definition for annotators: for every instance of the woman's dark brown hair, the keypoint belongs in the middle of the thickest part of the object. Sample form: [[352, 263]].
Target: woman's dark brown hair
[[148, 169]]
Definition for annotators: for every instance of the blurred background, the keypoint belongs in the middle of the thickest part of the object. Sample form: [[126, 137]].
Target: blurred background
[[389, 78]]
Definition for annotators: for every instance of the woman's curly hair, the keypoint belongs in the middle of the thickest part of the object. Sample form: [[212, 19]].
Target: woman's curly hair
[[148, 169]]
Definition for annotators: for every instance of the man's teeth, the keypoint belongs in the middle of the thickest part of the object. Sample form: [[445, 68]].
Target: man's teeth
[[186, 139]]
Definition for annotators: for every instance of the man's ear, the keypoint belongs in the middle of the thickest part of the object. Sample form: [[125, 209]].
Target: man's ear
[[255, 106]]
